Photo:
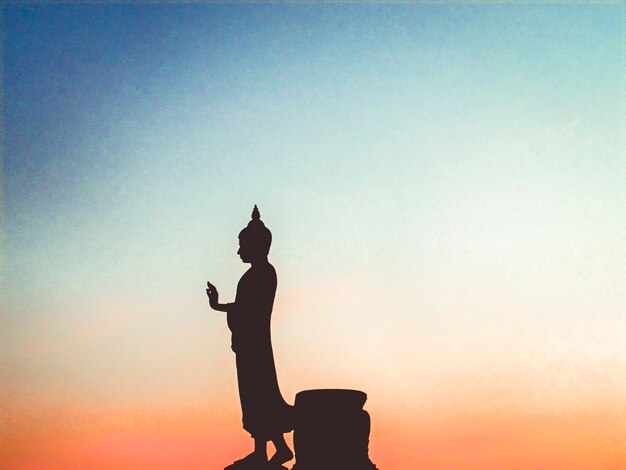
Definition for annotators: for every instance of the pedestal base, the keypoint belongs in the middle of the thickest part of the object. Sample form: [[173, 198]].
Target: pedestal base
[[331, 466], [331, 431]]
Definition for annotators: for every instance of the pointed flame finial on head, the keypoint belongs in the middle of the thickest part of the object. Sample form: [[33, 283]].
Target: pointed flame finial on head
[[256, 215], [256, 234]]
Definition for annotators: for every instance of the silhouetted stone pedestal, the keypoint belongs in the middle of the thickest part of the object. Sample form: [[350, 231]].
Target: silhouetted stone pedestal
[[331, 431]]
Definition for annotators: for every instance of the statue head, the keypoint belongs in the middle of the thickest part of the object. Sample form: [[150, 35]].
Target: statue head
[[255, 239]]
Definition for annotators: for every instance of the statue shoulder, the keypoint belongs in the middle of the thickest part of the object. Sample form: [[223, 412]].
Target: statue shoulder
[[266, 275], [271, 269], [259, 274]]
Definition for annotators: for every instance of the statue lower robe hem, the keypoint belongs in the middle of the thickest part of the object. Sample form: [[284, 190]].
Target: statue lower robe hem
[[266, 415]]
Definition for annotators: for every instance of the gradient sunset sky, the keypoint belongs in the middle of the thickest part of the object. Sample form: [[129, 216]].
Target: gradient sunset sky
[[446, 187]]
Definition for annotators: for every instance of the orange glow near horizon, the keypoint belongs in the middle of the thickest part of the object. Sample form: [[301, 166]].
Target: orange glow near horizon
[[190, 439], [515, 405]]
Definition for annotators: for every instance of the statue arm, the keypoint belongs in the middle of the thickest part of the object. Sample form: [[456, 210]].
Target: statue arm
[[223, 307], [213, 296]]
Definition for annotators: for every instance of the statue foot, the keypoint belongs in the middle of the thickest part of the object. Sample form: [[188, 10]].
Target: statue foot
[[249, 462], [281, 456]]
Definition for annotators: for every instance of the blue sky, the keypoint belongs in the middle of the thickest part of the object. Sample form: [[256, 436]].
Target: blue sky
[[447, 164]]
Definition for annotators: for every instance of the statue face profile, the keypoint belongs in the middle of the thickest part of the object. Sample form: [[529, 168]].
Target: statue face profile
[[251, 249], [245, 251]]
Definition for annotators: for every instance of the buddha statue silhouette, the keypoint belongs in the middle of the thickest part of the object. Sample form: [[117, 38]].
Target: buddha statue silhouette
[[266, 415]]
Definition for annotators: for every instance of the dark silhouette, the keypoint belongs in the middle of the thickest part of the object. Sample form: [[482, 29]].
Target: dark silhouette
[[332, 431], [266, 415], [331, 427]]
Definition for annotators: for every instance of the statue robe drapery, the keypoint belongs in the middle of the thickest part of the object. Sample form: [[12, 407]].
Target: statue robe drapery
[[265, 413]]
